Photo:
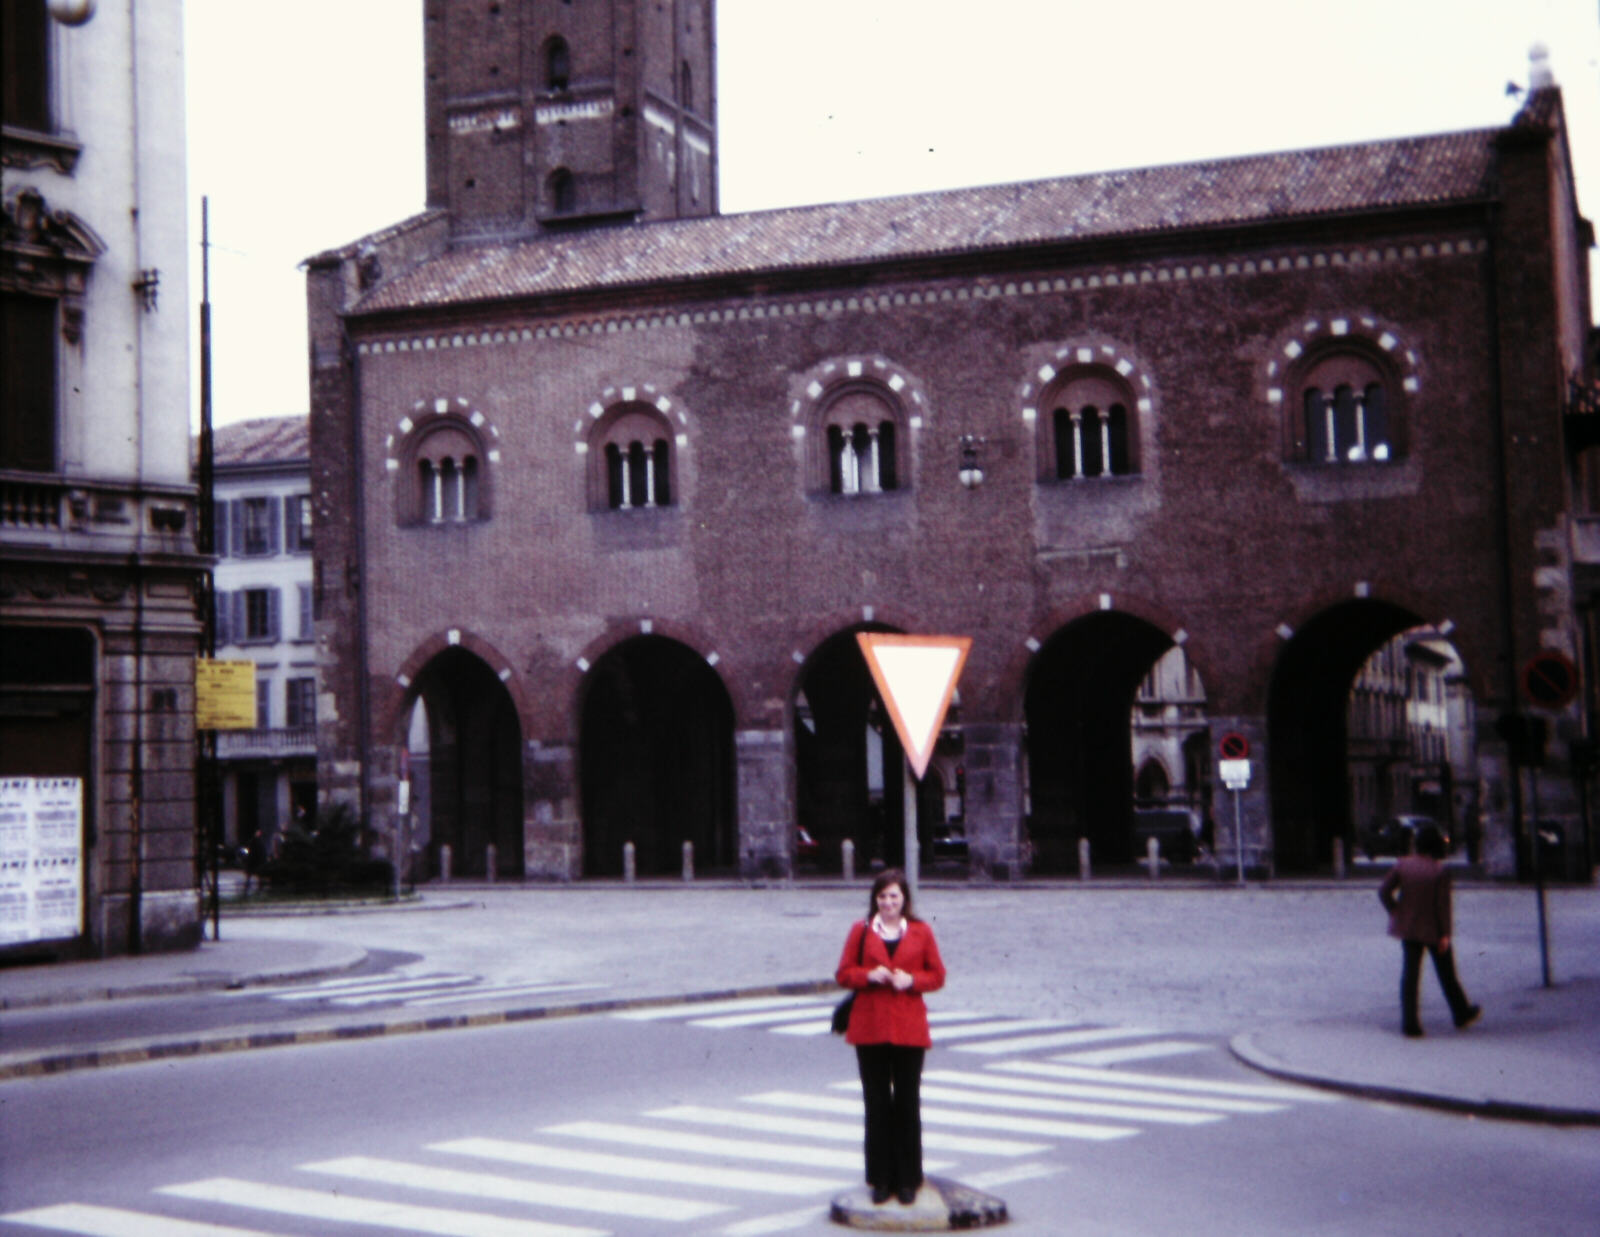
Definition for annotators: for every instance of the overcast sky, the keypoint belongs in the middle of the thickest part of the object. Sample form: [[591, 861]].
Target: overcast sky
[[305, 116]]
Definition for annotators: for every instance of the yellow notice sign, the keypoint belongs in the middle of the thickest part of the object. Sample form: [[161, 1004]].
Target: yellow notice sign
[[224, 694]]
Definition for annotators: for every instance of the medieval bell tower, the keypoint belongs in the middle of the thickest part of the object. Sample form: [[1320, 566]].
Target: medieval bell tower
[[551, 114]]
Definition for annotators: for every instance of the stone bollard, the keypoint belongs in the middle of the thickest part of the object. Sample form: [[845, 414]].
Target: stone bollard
[[847, 857], [688, 861], [1152, 856], [490, 862], [630, 866], [1083, 859], [444, 864], [1338, 858]]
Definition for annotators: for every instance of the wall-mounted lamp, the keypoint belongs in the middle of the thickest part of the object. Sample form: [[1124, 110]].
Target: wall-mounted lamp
[[148, 288], [971, 472]]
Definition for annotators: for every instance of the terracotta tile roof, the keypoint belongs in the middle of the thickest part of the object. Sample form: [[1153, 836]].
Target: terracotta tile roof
[[1374, 175], [264, 440]]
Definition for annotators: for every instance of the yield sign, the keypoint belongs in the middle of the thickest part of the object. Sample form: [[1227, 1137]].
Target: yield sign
[[915, 676]]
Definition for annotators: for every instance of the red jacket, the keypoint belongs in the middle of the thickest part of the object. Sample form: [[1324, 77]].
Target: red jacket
[[880, 1014]]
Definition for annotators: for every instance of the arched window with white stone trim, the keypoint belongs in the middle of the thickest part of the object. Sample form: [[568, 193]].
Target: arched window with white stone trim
[[1345, 405], [632, 456], [446, 480], [860, 429], [1088, 426]]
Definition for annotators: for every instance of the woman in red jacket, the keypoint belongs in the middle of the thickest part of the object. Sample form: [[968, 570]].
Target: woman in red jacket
[[889, 961]]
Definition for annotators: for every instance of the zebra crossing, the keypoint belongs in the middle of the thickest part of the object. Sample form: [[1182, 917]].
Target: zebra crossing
[[760, 1163], [412, 991]]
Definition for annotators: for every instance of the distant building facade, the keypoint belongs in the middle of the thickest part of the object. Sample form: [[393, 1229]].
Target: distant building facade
[[99, 578], [263, 589], [608, 504]]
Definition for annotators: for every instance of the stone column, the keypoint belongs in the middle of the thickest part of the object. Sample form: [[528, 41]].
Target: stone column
[[552, 833], [766, 803], [992, 757]]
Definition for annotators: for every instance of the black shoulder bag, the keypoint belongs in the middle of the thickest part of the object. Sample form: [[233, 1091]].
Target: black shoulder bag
[[841, 1011]]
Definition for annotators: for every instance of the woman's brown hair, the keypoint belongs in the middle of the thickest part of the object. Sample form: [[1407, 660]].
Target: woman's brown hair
[[887, 877]]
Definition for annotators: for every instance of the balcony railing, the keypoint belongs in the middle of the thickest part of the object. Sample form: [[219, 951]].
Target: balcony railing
[[56, 510], [276, 742]]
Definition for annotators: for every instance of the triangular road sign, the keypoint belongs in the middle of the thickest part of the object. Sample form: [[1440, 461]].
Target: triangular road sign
[[915, 676]]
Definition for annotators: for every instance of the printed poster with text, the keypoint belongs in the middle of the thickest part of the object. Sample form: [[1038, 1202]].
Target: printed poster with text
[[41, 858]]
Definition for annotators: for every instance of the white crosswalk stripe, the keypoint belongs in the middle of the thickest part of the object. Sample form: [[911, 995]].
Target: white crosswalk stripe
[[507, 1189], [1053, 1039], [948, 1116], [377, 1212], [679, 1167], [443, 988], [545, 1156], [839, 1131], [90, 1221], [1107, 1090], [1205, 1086], [1062, 1106], [711, 1144], [1133, 1052]]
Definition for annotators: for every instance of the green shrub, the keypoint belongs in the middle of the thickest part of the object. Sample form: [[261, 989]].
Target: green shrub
[[329, 856]]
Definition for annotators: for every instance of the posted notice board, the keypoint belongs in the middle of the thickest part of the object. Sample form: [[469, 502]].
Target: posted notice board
[[41, 859]]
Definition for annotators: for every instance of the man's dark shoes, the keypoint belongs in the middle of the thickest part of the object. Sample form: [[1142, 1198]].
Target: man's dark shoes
[[1412, 1032], [908, 1195], [880, 1195], [1474, 1012]]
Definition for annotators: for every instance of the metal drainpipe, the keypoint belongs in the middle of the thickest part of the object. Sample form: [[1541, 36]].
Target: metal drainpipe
[[1502, 512], [358, 484], [135, 821]]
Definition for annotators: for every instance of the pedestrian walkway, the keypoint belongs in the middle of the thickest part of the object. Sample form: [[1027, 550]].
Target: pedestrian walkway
[[1535, 1055], [736, 1165]]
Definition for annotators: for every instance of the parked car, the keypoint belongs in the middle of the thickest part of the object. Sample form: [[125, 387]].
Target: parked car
[[1176, 829], [949, 841], [1395, 836]]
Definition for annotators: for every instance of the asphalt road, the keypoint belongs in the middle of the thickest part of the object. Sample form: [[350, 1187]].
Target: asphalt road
[[651, 1124]]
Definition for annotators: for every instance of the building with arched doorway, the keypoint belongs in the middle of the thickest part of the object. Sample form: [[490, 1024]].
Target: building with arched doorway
[[609, 480]]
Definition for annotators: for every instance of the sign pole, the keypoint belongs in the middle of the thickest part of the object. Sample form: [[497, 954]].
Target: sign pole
[[913, 863]]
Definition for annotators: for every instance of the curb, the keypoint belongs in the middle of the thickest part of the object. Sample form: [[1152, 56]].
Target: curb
[[178, 987], [238, 1039], [1242, 1046]]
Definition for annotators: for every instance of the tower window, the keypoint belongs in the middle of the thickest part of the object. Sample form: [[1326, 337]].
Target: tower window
[[686, 86], [1088, 432], [860, 430], [634, 449], [563, 192], [557, 64], [447, 481], [1345, 409]]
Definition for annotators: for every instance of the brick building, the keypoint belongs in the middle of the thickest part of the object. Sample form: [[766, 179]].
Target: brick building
[[607, 481]]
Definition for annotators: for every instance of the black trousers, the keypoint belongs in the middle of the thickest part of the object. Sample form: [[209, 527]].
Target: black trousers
[[891, 1086], [1444, 966]]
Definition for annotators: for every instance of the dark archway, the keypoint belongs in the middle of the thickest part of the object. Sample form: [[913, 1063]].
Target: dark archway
[[474, 766], [849, 765], [1081, 691], [656, 761], [1307, 735]]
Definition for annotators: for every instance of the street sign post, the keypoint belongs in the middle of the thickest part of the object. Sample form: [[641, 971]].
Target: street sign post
[[1234, 766], [1549, 681], [916, 676]]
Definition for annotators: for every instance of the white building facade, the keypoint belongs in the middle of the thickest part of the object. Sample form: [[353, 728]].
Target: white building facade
[[263, 590], [100, 583]]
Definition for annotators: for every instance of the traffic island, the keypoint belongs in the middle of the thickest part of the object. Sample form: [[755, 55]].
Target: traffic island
[[939, 1207]]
